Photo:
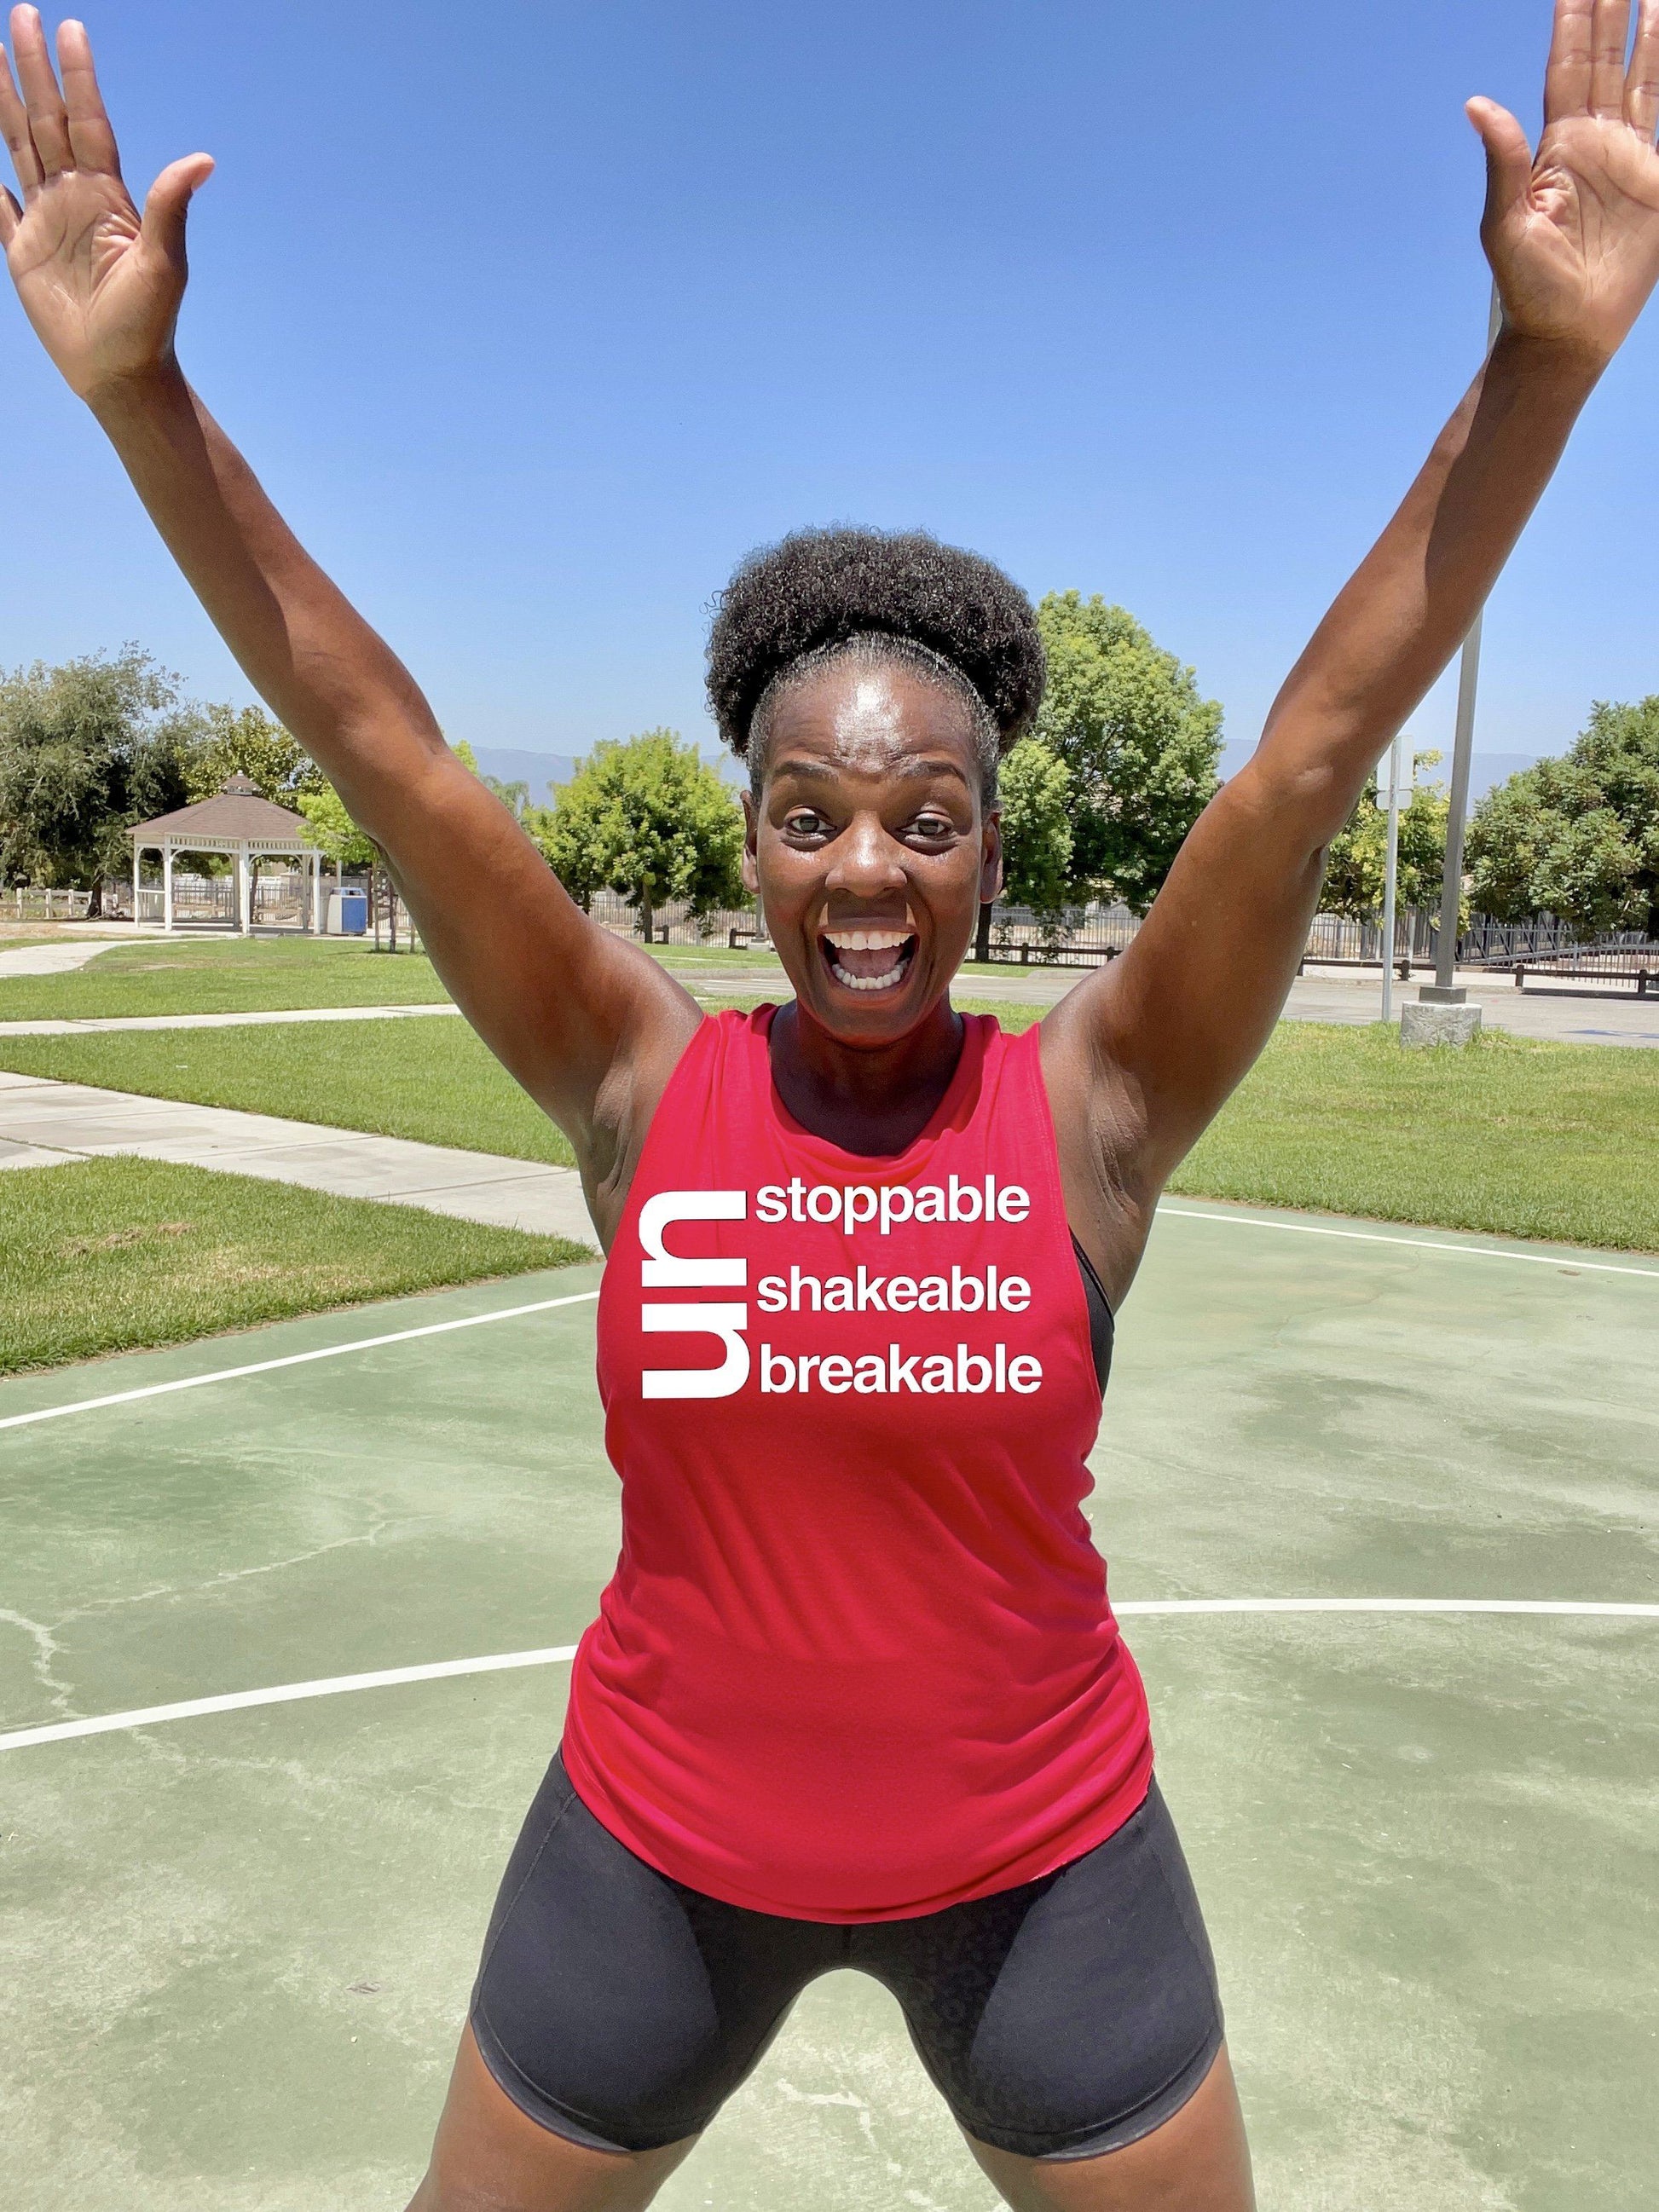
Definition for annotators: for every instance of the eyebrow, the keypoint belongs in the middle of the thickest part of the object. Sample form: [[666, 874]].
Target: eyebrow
[[811, 771]]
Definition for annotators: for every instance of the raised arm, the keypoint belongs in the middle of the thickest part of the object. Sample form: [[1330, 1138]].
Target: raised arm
[[590, 1025], [1150, 1047]]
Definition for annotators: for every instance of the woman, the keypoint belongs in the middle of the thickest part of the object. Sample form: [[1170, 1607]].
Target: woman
[[855, 1696]]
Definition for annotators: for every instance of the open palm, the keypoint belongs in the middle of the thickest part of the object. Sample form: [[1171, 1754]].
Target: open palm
[[100, 284], [1573, 234]]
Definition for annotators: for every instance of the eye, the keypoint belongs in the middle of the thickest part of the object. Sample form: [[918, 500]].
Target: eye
[[805, 822], [932, 826]]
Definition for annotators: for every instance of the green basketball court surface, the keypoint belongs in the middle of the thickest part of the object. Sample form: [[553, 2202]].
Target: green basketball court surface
[[235, 1944]]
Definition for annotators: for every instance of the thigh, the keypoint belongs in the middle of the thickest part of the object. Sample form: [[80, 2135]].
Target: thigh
[[1197, 2161], [1072, 2016], [491, 2156], [613, 2007]]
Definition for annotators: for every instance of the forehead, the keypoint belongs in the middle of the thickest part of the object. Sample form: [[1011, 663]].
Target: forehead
[[856, 719]]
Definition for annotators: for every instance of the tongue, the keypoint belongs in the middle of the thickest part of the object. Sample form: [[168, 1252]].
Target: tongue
[[871, 964]]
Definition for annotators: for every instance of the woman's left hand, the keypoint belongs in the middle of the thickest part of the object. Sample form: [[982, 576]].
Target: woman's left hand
[[1573, 234]]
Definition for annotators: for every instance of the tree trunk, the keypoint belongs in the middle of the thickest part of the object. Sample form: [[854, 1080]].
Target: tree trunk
[[982, 935], [646, 916]]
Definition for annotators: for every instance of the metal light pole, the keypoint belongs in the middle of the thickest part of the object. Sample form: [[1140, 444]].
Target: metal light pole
[[1444, 990], [1397, 770]]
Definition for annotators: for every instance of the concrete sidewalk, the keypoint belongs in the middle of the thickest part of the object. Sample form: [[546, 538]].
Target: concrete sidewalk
[[1346, 999], [94, 1025], [48, 959], [1349, 998], [48, 1124]]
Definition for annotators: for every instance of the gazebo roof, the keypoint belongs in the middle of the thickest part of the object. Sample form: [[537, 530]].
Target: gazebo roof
[[236, 815]]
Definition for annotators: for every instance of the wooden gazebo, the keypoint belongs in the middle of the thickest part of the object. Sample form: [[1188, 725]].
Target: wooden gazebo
[[237, 822]]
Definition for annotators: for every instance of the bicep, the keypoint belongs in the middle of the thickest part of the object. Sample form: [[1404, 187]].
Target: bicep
[[589, 1025]]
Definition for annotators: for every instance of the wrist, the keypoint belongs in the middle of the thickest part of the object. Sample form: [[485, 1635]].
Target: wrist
[[1568, 365], [133, 394]]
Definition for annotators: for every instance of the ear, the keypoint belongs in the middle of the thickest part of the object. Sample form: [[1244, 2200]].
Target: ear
[[990, 865]]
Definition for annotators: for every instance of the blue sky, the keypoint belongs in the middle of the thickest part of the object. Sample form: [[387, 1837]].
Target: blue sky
[[534, 327]]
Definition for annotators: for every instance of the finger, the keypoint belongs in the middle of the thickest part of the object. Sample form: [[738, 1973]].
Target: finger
[[1509, 158], [1567, 82], [15, 124], [168, 204], [1609, 43], [1642, 86], [48, 122], [11, 215], [89, 132]]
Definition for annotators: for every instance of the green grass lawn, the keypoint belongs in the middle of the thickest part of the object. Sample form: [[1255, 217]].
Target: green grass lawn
[[1512, 1137], [429, 1079], [223, 975], [111, 1254]]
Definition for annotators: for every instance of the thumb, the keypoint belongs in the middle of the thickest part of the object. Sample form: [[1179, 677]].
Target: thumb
[[1509, 157], [11, 215], [169, 201]]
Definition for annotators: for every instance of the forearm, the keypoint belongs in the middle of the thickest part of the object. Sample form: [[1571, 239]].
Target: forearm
[[1412, 601], [330, 678]]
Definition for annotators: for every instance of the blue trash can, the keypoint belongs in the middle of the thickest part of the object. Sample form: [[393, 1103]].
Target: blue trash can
[[348, 913]]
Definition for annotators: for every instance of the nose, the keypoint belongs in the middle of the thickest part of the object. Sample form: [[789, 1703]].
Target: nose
[[867, 860]]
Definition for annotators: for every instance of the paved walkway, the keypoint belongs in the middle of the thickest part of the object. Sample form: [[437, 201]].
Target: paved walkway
[[1560, 1015], [1581, 1016], [53, 959], [90, 1024], [45, 1124], [1350, 999]]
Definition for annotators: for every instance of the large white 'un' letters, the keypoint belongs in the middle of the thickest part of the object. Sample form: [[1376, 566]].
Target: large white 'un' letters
[[662, 1269]]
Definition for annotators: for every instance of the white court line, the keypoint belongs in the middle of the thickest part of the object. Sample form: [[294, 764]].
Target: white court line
[[556, 1655], [513, 1313], [1147, 1609], [292, 1359], [235, 1701], [1570, 1260]]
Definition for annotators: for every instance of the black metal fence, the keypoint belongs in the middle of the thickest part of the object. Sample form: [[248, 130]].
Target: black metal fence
[[675, 923], [1501, 943], [1541, 950], [1084, 937]]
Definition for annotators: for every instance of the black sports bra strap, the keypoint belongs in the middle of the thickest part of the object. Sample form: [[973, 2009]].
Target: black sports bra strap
[[1101, 1327]]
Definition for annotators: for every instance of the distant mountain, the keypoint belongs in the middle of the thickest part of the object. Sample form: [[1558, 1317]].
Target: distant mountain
[[539, 771], [1486, 770]]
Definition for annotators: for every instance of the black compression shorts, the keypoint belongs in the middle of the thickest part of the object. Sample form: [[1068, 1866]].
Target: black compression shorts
[[1059, 2019]]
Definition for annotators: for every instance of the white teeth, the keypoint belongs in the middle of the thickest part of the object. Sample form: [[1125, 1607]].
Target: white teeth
[[870, 982], [867, 940]]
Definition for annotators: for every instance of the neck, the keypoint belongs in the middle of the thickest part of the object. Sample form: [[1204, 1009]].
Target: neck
[[872, 1099]]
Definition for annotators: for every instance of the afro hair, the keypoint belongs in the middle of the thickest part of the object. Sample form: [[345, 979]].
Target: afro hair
[[817, 590]]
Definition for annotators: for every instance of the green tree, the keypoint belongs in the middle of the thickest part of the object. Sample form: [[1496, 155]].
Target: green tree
[[249, 742], [1357, 860], [1035, 787], [1141, 743], [649, 818], [1577, 836], [87, 749], [336, 834]]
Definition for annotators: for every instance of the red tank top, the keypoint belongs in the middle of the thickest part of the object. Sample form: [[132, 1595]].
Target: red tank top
[[857, 1661]]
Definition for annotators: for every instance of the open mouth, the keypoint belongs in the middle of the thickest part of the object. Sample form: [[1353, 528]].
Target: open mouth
[[869, 959]]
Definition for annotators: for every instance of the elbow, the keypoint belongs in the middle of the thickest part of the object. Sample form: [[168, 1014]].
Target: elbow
[[1307, 800]]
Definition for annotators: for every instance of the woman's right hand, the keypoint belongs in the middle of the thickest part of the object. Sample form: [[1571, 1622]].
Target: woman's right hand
[[100, 284]]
